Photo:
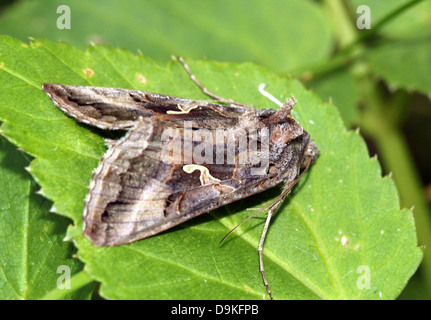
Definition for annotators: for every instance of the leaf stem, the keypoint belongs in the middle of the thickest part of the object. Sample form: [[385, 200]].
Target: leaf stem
[[77, 281]]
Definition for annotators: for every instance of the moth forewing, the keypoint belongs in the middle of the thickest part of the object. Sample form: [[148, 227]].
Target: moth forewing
[[135, 194], [172, 164]]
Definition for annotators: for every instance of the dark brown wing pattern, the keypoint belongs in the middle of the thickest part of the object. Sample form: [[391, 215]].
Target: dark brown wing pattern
[[148, 182]]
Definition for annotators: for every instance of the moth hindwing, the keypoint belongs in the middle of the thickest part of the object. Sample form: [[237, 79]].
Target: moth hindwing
[[179, 158]]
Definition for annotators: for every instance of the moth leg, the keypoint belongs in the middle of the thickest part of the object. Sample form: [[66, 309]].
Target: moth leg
[[262, 240], [205, 90], [273, 209]]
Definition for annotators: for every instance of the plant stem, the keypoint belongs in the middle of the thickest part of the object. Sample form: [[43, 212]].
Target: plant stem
[[384, 129], [349, 40], [77, 281], [365, 35]]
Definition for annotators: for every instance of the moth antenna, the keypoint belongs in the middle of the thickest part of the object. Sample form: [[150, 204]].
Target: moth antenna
[[199, 84], [204, 89]]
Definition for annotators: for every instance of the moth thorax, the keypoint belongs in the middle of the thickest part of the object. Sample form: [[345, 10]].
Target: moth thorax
[[285, 132]]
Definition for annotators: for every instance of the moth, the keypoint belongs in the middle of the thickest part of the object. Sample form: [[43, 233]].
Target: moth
[[181, 158]]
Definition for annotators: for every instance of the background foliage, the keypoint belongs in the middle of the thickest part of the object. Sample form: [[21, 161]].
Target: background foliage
[[378, 80]]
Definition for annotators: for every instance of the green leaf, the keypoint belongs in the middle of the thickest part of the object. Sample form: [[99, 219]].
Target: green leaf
[[415, 21], [404, 64], [224, 30], [341, 216], [403, 56], [339, 87], [31, 239]]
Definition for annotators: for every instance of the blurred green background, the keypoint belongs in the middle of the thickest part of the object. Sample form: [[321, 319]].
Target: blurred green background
[[379, 79]]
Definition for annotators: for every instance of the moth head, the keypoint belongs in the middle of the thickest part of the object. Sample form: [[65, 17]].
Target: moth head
[[283, 127]]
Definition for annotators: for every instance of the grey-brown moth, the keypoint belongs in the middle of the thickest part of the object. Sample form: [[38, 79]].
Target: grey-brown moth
[[180, 158]]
